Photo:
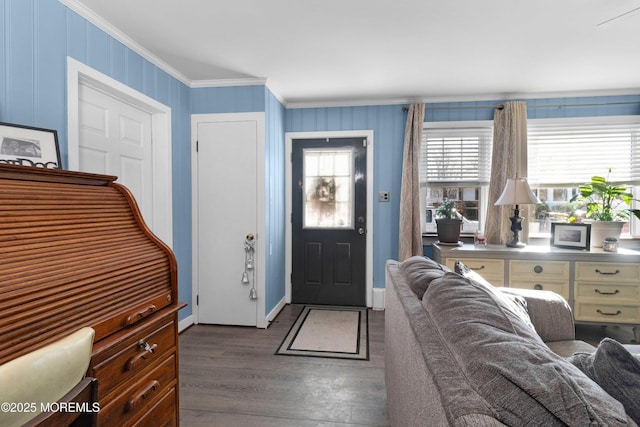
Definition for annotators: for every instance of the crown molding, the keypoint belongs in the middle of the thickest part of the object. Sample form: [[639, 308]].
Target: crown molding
[[352, 103], [471, 98], [114, 32], [249, 81]]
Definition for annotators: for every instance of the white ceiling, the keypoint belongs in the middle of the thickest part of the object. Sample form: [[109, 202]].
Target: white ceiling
[[336, 52]]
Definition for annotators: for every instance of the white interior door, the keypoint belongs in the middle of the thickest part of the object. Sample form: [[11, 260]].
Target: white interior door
[[227, 174], [115, 138]]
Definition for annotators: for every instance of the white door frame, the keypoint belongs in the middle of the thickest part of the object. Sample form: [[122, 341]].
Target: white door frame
[[259, 118], [79, 73], [289, 137]]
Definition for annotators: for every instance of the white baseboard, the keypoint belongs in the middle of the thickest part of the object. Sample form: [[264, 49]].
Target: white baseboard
[[276, 310], [378, 298], [185, 323]]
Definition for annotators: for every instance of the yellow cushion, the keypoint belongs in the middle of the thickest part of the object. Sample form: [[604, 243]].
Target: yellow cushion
[[43, 376]]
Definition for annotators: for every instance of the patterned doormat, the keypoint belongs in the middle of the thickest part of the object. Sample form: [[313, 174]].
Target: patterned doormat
[[333, 332]]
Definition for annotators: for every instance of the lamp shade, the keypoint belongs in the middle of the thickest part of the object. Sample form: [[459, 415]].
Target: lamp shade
[[517, 192]]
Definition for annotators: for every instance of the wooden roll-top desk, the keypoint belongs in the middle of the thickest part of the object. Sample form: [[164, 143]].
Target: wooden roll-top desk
[[75, 252]]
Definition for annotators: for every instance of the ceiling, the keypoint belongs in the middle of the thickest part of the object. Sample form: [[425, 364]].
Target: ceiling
[[340, 52]]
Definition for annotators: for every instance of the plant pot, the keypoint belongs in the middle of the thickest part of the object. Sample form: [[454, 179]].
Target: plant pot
[[602, 229], [449, 230]]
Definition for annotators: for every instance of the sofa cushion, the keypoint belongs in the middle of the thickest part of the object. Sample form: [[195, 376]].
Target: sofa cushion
[[616, 370], [516, 303], [506, 362], [419, 271]]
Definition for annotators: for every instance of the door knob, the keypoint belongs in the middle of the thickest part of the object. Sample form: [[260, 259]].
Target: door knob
[[361, 231]]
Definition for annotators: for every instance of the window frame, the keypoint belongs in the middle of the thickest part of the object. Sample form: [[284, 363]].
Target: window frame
[[568, 121], [485, 125], [631, 120]]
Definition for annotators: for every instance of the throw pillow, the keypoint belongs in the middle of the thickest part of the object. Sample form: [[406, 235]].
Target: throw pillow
[[616, 370], [516, 303], [420, 271], [506, 362]]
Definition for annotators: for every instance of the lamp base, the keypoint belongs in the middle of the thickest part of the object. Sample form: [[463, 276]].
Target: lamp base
[[516, 228], [516, 244]]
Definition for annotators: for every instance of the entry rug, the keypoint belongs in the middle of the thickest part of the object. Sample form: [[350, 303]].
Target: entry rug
[[333, 332]]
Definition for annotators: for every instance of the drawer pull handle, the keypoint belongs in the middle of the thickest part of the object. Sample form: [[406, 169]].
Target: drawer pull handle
[[146, 347], [145, 312], [143, 395], [538, 269], [607, 273], [604, 313], [477, 268], [138, 359], [598, 291], [538, 287]]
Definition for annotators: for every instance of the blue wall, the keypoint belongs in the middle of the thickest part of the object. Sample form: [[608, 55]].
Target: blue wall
[[235, 99], [37, 37], [275, 200], [387, 123]]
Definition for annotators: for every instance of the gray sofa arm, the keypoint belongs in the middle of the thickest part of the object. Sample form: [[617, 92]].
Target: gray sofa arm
[[549, 313]]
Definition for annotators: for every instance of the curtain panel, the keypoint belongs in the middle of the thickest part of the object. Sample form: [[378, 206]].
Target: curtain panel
[[410, 238], [508, 160]]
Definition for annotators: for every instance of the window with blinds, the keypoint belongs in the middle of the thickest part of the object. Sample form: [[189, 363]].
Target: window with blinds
[[455, 164], [568, 152], [456, 155], [565, 153]]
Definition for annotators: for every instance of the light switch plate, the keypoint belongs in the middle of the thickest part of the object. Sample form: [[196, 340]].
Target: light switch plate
[[383, 196]]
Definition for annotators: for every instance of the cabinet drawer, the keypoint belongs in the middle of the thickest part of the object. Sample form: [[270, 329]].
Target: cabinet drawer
[[561, 288], [130, 405], [607, 272], [490, 269], [162, 414], [139, 353], [606, 313], [607, 291], [520, 270]]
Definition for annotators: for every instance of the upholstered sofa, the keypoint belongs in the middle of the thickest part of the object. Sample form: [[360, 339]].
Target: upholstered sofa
[[461, 352]]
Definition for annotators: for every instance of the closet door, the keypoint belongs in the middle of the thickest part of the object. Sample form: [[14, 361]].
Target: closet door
[[229, 185]]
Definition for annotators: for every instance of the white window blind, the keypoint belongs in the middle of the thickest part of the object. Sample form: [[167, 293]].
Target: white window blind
[[570, 151], [456, 155]]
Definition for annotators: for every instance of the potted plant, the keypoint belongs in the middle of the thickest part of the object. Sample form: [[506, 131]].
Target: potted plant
[[608, 207], [448, 222]]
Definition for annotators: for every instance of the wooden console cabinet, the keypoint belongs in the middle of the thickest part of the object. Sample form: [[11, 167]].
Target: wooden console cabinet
[[75, 252], [601, 287]]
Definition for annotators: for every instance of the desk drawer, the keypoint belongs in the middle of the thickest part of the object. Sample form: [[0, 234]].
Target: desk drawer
[[490, 269], [139, 352], [607, 272], [594, 311], [162, 414], [131, 404]]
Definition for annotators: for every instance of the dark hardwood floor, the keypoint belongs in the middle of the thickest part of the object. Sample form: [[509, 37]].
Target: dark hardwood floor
[[229, 376]]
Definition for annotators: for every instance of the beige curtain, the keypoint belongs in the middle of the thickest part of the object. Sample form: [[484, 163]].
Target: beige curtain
[[508, 160], [410, 240]]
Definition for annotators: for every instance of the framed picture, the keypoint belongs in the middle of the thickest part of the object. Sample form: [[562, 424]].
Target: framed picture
[[29, 146], [571, 236]]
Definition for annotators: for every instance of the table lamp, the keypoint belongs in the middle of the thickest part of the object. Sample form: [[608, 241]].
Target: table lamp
[[517, 192]]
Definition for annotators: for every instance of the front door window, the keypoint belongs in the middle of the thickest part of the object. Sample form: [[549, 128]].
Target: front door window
[[328, 188]]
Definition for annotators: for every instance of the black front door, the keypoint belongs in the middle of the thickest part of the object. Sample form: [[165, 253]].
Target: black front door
[[328, 221]]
